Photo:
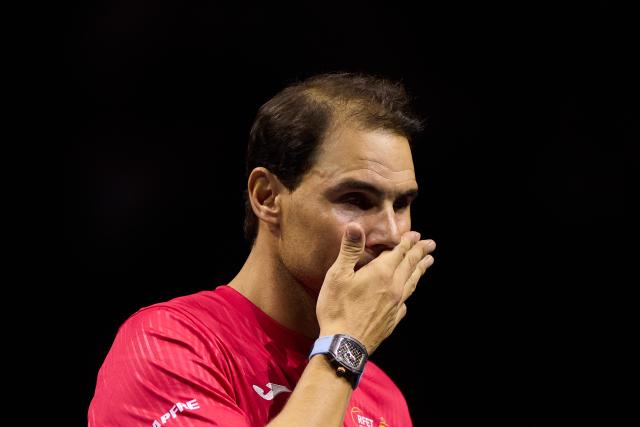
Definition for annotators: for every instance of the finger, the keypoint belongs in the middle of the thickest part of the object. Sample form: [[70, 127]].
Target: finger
[[412, 283], [395, 256], [351, 248], [402, 311], [412, 258]]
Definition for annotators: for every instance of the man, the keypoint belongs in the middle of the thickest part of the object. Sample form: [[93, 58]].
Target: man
[[333, 260]]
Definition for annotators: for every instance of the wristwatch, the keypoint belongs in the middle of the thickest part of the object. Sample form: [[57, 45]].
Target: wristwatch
[[345, 353]]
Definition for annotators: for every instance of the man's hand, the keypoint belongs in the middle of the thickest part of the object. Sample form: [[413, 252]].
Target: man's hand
[[369, 304]]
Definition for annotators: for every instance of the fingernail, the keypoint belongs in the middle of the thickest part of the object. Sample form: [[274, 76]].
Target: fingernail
[[431, 245], [353, 233]]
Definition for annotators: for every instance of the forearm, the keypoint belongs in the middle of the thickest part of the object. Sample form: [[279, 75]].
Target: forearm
[[319, 399]]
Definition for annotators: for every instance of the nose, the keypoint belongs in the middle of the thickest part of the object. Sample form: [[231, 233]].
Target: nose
[[386, 230]]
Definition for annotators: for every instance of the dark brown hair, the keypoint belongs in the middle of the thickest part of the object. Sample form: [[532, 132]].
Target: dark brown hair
[[289, 127]]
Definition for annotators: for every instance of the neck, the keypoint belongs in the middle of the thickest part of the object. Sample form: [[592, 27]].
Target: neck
[[265, 282]]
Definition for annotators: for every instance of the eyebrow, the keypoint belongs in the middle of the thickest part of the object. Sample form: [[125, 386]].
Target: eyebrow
[[355, 184]]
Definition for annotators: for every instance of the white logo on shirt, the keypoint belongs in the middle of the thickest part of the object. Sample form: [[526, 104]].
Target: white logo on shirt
[[175, 409], [274, 390]]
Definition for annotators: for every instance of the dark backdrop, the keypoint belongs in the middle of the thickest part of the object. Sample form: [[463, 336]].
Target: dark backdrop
[[521, 170]]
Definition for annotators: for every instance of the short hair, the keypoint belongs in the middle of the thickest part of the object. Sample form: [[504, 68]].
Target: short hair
[[288, 129]]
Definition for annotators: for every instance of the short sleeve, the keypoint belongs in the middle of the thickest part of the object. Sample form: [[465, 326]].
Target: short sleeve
[[163, 370]]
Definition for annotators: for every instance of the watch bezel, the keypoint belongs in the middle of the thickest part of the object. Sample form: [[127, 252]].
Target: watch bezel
[[337, 342]]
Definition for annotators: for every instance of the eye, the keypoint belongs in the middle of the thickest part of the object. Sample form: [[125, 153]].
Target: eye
[[401, 203], [358, 200]]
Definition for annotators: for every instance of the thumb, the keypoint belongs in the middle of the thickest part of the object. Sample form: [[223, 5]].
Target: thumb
[[352, 246]]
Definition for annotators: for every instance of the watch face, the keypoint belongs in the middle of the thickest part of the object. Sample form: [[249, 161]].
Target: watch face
[[350, 353]]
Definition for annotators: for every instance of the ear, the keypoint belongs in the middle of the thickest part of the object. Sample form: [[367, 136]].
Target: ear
[[265, 190]]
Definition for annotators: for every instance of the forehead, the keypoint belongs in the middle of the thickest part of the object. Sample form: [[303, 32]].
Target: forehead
[[380, 157]]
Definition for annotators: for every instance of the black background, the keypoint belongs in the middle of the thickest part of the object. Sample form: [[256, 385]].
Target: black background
[[521, 171]]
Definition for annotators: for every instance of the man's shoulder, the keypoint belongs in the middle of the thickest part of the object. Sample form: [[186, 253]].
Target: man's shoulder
[[207, 301], [204, 308]]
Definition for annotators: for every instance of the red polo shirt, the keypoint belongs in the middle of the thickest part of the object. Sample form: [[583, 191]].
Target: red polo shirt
[[214, 358]]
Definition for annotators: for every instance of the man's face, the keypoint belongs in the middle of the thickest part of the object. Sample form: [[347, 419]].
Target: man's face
[[361, 176]]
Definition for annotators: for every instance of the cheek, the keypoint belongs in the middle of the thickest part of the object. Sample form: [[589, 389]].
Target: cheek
[[344, 215], [320, 232], [334, 221]]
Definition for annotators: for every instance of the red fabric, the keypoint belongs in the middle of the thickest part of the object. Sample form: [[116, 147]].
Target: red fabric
[[194, 361]]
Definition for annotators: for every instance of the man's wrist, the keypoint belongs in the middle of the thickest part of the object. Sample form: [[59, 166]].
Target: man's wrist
[[346, 355]]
